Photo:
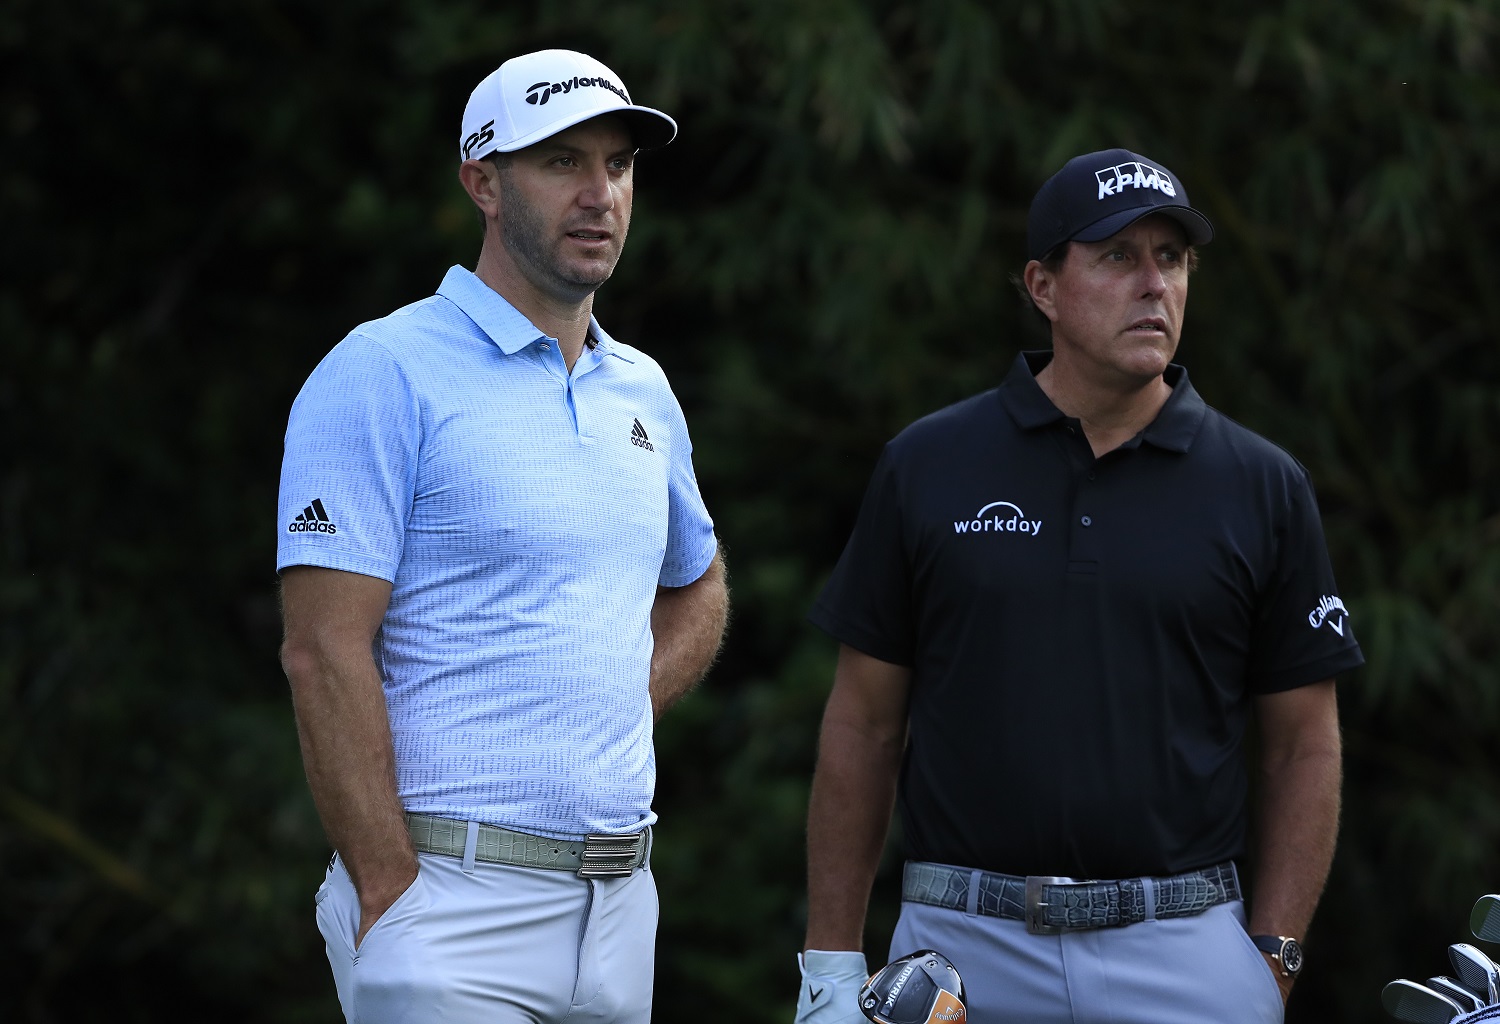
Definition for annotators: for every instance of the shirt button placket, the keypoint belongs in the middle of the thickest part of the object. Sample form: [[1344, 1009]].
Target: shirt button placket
[[1085, 539]]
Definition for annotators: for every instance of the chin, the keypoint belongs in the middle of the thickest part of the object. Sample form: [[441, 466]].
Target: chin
[[591, 272], [1155, 357], [583, 280], [1146, 367]]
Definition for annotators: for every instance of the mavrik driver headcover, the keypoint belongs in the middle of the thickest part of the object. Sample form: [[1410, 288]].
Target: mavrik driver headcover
[[920, 988]]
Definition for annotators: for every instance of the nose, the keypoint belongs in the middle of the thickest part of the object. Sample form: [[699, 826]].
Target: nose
[[1153, 282], [597, 191]]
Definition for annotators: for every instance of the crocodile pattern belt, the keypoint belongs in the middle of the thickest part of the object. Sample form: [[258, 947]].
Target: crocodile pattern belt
[[591, 857], [1050, 905]]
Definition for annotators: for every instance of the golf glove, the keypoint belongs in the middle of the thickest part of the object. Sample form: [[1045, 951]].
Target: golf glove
[[830, 987]]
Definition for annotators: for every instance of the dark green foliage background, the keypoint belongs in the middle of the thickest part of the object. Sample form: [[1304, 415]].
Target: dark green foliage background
[[199, 200]]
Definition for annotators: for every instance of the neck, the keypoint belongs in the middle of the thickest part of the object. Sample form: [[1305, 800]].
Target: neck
[[1110, 414], [560, 317]]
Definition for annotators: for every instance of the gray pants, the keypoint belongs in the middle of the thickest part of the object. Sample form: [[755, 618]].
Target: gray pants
[[1186, 970], [500, 945]]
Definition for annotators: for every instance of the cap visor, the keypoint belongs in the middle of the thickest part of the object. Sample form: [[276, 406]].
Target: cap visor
[[1199, 231], [649, 129]]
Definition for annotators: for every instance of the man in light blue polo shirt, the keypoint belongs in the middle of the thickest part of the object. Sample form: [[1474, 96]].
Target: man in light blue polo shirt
[[497, 573]]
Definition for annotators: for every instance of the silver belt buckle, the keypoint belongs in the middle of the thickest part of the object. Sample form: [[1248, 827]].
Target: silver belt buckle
[[609, 856], [1036, 906]]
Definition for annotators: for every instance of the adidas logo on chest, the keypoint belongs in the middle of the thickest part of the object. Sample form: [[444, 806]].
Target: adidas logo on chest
[[639, 439]]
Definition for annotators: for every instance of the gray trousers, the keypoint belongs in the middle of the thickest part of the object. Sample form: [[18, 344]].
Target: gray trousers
[[497, 945], [1186, 970]]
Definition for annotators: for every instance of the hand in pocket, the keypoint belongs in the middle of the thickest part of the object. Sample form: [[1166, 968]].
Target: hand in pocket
[[374, 904]]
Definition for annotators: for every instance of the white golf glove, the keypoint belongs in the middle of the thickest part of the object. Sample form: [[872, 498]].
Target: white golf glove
[[830, 987]]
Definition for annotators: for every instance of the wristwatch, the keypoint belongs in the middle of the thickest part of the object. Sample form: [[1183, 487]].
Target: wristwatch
[[1285, 951]]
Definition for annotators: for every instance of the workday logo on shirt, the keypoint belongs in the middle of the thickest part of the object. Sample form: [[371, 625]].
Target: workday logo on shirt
[[998, 517]]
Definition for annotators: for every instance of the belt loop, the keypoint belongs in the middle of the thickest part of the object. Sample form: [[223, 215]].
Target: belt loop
[[972, 907], [1234, 873], [471, 843], [1148, 897]]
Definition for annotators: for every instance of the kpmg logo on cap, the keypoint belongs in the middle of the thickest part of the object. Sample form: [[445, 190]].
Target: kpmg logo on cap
[[1114, 180], [540, 93]]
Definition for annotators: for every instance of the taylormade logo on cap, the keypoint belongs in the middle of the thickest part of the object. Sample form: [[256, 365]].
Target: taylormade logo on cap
[[542, 91], [1114, 180], [533, 97]]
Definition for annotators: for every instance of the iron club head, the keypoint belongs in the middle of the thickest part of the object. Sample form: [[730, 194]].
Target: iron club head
[[1418, 1004], [1456, 992], [1477, 971], [1484, 920]]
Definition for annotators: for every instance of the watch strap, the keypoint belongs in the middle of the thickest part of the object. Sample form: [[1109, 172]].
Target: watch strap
[[1276, 946]]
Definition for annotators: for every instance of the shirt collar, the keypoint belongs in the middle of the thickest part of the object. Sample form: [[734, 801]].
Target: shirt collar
[[1174, 428], [503, 323]]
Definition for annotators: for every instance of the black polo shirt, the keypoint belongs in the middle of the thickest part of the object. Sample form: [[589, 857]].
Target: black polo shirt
[[1085, 635]]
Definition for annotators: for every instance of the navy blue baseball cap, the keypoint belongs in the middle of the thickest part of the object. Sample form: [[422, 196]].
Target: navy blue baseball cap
[[1098, 194]]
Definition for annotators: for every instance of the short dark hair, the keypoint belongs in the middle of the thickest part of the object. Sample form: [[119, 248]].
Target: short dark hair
[[1052, 261]]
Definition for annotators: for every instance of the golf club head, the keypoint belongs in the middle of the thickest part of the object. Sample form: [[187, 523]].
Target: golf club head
[[1477, 971], [1418, 1004], [1456, 992], [1484, 921], [919, 988]]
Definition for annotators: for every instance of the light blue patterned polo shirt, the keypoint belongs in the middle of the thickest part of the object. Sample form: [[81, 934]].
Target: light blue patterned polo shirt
[[524, 518]]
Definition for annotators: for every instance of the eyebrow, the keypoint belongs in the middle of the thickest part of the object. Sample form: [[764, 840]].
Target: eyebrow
[[560, 148]]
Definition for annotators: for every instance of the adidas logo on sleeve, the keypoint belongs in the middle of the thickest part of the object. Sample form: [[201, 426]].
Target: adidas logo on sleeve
[[314, 519], [638, 437]]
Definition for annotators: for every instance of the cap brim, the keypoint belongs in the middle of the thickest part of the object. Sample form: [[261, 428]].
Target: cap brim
[[649, 129], [1196, 226]]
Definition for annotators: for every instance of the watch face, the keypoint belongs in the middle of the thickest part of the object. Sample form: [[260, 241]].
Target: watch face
[[1291, 956]]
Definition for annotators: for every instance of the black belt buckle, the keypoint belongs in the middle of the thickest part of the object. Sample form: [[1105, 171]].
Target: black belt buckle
[[1036, 907], [610, 856]]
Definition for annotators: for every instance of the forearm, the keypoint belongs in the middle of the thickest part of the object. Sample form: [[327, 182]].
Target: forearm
[[687, 627], [849, 814], [860, 748], [1297, 830], [1297, 807], [345, 735]]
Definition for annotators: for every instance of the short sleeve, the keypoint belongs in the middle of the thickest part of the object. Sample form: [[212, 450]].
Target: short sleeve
[[1302, 628], [349, 467], [691, 544], [867, 601]]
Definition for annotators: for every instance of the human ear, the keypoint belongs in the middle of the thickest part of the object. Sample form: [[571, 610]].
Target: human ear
[[1040, 285], [481, 180]]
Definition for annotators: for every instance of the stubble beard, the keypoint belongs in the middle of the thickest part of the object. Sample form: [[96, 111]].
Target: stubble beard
[[526, 238]]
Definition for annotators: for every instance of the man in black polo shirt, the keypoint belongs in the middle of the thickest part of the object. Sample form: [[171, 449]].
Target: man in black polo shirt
[[1063, 603]]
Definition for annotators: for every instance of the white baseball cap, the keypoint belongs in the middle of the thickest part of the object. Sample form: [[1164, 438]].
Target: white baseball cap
[[535, 96]]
